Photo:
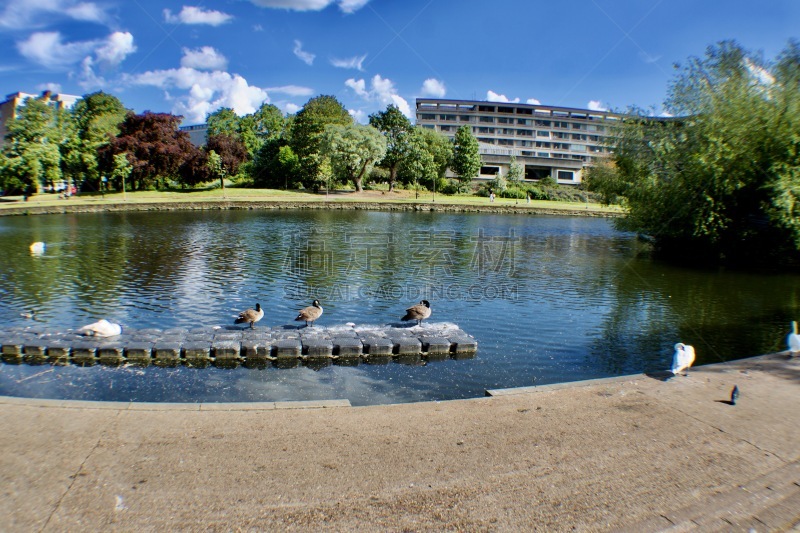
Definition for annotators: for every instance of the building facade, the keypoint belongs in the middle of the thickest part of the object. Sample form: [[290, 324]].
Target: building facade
[[198, 133], [8, 108], [547, 141]]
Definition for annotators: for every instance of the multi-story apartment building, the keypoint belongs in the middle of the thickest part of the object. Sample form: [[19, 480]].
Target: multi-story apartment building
[[558, 142], [8, 108]]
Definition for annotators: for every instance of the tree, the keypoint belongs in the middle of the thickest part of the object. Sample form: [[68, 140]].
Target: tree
[[466, 158], [306, 134], [275, 165], [97, 117], [121, 171], [426, 158], [156, 148], [32, 153], [352, 150], [223, 121], [231, 151], [216, 168], [515, 171], [396, 128], [720, 182]]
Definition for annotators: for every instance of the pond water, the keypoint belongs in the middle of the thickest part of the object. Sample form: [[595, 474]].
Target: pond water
[[549, 299]]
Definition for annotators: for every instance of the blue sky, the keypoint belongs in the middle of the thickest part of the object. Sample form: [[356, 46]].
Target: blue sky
[[193, 57]]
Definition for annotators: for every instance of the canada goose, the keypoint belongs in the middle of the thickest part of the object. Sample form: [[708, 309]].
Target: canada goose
[[37, 248], [101, 328], [250, 315], [793, 339], [310, 313], [683, 358], [418, 312]]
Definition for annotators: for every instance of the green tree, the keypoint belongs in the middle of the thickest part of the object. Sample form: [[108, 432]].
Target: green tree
[[722, 181], [306, 134], [466, 158], [121, 171], [396, 127], [216, 168], [223, 121], [515, 171], [428, 155], [97, 117], [352, 150]]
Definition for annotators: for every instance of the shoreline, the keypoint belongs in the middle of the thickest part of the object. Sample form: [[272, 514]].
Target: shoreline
[[634, 453]]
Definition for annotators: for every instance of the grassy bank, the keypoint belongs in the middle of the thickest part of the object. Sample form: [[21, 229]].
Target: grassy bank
[[232, 196]]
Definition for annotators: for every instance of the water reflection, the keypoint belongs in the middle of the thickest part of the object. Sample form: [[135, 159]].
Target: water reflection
[[549, 299]]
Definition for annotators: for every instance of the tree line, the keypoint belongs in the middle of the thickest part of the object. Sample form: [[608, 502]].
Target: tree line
[[98, 143], [720, 180]]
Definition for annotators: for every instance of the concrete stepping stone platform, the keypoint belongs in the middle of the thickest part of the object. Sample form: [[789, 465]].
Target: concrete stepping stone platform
[[230, 346]]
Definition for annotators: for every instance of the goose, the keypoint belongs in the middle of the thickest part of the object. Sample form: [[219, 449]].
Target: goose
[[250, 315], [101, 328], [793, 339], [37, 248], [683, 358], [310, 313], [418, 312]]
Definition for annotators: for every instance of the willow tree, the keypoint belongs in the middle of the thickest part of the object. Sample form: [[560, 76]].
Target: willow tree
[[721, 179], [352, 150]]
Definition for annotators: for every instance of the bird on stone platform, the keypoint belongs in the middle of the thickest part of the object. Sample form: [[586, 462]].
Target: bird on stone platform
[[250, 316], [683, 358], [793, 339], [734, 394], [101, 328], [310, 313], [418, 312]]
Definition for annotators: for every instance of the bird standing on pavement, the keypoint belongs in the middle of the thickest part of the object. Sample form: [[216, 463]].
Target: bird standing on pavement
[[683, 358], [250, 316], [793, 339], [734, 395]]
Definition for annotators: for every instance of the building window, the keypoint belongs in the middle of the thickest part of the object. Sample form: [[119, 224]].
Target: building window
[[525, 121], [427, 116], [505, 109], [486, 119], [489, 108], [543, 134], [566, 175], [543, 154], [447, 117], [464, 118], [490, 171]]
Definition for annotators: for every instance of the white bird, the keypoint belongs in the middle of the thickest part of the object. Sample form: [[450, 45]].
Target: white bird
[[793, 339], [101, 328], [683, 358], [37, 248]]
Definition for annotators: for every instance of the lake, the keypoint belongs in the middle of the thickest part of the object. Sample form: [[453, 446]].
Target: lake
[[549, 299]]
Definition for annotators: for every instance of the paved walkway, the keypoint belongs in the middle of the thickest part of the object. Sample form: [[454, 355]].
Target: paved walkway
[[635, 454]]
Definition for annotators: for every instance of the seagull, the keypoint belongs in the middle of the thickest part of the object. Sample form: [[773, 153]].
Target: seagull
[[418, 312], [250, 315], [310, 313], [101, 328], [683, 358], [793, 339], [734, 395]]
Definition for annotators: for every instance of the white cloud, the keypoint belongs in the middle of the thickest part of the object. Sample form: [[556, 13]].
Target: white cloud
[[117, 47], [207, 91], [382, 90], [204, 58], [494, 97], [291, 108], [27, 14], [353, 62], [52, 87], [305, 57], [347, 6], [532, 101], [761, 74], [291, 90], [196, 15], [51, 51], [359, 115], [596, 105], [433, 87]]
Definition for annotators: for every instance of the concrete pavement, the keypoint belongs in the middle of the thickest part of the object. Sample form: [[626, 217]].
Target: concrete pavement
[[637, 453]]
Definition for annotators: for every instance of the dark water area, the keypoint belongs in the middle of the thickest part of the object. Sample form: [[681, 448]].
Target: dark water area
[[549, 299]]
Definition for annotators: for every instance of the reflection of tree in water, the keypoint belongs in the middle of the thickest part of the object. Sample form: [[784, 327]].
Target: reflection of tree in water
[[724, 315]]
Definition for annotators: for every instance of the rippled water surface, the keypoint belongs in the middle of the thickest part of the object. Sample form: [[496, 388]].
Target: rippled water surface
[[549, 299]]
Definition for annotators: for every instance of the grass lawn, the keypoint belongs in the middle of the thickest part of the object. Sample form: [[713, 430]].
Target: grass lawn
[[274, 195]]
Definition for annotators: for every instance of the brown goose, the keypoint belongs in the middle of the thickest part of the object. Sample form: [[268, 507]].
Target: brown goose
[[310, 313], [250, 315], [418, 312]]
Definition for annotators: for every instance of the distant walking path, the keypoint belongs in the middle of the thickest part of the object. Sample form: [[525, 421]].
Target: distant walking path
[[634, 453]]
